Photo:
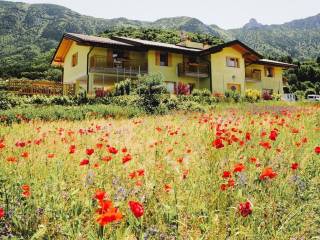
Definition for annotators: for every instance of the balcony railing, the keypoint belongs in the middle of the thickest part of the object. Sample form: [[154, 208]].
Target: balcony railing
[[196, 70], [123, 67], [129, 71]]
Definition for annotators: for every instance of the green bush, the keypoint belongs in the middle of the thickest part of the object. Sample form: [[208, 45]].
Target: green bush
[[151, 84], [201, 92], [300, 95], [151, 90], [8, 100], [123, 87], [309, 91], [191, 106], [233, 95], [70, 113]]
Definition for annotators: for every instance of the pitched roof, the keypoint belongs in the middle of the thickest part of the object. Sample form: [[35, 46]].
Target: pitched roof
[[218, 48], [139, 44], [93, 39], [275, 63], [157, 45]]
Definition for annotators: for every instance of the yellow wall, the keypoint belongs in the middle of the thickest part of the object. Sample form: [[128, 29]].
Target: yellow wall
[[72, 74], [222, 75], [170, 73], [275, 83]]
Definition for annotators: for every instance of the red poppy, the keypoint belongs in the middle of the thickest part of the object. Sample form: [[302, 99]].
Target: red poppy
[[226, 174], [185, 174], [317, 150], [218, 143], [2, 213], [124, 150], [245, 209], [265, 145], [106, 159], [267, 173], [50, 155], [89, 151], [100, 195], [167, 188], [223, 187], [99, 145], [136, 208], [273, 135], [231, 182], [12, 159], [72, 149], [253, 159], [132, 175], [25, 190], [239, 167], [2, 145], [126, 158], [294, 166], [112, 150], [25, 154], [84, 162], [107, 213]]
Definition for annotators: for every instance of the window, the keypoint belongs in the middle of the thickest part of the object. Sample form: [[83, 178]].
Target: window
[[269, 72], [233, 62], [267, 91], [74, 60], [164, 59], [119, 54]]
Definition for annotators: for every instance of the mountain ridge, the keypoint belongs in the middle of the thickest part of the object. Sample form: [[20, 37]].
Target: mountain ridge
[[26, 30]]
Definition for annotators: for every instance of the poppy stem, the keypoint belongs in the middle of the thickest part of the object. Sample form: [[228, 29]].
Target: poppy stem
[[101, 232], [141, 229]]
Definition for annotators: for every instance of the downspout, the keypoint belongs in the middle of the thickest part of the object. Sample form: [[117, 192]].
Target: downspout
[[88, 68]]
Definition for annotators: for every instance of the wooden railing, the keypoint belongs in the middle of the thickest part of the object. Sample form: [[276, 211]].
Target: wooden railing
[[32, 87]]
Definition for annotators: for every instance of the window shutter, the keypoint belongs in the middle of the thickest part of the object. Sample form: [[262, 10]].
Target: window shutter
[[157, 58], [110, 58], [169, 59]]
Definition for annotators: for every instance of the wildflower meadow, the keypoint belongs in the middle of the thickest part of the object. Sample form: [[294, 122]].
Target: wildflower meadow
[[244, 172]]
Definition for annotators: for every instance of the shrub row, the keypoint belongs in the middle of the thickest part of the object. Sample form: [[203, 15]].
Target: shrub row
[[70, 113]]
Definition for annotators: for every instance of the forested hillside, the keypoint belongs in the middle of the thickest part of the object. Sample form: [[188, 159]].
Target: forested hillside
[[29, 33]]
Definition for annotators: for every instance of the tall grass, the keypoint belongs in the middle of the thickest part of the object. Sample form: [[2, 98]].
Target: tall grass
[[181, 187]]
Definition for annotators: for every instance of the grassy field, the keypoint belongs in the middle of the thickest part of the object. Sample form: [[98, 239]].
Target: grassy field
[[245, 172]]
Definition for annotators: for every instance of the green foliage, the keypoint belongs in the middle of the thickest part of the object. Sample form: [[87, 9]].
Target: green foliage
[[123, 87], [201, 92], [233, 95], [8, 101], [304, 77], [300, 95], [70, 113], [161, 35], [309, 91]]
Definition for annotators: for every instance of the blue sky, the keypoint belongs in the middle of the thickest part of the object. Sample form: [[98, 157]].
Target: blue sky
[[224, 13]]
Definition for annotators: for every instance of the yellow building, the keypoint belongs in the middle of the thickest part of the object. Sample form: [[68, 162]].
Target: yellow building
[[95, 64]]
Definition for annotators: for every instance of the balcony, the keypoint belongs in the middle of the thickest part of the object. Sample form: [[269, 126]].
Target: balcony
[[123, 67], [195, 70], [253, 75]]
